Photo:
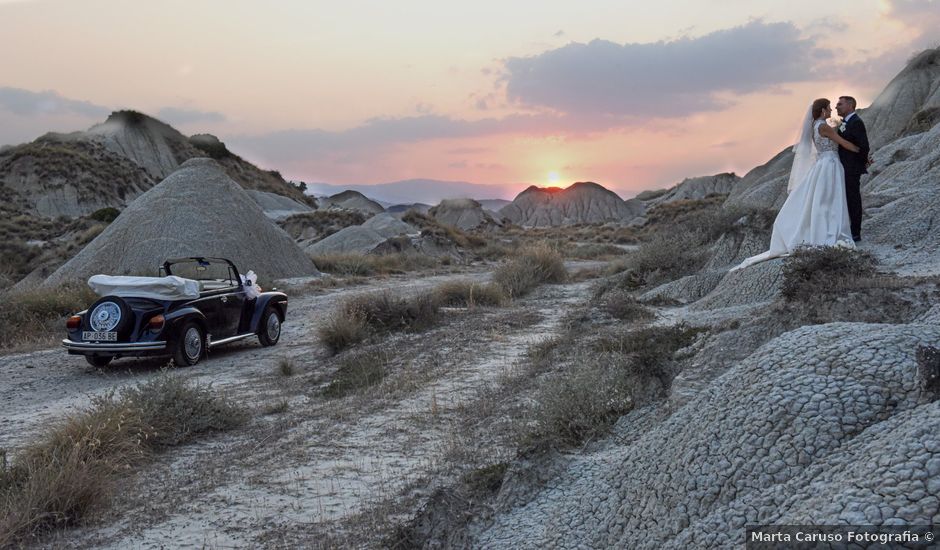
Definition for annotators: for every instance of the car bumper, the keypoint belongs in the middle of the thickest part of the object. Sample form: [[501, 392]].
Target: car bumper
[[122, 348]]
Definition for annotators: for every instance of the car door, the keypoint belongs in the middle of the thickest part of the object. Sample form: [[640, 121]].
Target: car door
[[232, 304], [211, 306]]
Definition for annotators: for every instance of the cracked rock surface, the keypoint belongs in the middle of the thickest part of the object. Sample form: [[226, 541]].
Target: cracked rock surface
[[824, 424]]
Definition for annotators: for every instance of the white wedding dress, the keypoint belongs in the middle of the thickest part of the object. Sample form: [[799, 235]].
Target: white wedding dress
[[816, 212]]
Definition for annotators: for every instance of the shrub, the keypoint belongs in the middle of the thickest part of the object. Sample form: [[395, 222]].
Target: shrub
[[366, 265], [811, 271], [651, 348], [343, 329], [278, 407], [662, 259], [385, 312], [468, 294], [576, 405], [594, 251], [360, 316], [107, 214], [358, 371], [619, 304], [679, 236], [70, 471], [533, 267], [286, 367]]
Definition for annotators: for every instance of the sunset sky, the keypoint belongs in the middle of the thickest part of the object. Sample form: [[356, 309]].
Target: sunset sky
[[632, 95]]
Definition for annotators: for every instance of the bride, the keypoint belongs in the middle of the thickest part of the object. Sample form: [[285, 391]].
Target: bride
[[816, 212]]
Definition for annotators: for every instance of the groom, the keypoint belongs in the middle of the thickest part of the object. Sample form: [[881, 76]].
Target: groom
[[855, 164]]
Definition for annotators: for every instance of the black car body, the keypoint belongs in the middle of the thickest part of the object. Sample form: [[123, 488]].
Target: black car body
[[226, 310]]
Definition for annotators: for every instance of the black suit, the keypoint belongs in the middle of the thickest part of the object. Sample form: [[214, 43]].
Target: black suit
[[855, 164]]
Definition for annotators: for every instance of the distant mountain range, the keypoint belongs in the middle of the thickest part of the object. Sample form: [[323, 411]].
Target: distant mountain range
[[426, 191]]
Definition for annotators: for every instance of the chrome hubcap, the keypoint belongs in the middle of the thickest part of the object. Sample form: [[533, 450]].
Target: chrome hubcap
[[274, 327], [193, 343]]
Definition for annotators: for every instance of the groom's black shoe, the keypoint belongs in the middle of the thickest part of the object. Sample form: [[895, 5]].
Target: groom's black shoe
[[856, 238]]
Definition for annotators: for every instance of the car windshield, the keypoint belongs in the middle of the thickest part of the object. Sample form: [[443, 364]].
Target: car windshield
[[210, 274]]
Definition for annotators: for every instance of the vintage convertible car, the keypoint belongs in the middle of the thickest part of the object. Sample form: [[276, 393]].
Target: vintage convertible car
[[198, 304]]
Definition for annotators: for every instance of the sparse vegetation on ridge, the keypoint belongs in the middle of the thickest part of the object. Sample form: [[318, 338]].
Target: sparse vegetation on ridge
[[430, 227], [366, 265]]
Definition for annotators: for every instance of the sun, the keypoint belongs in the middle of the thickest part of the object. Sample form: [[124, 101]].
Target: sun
[[553, 178]]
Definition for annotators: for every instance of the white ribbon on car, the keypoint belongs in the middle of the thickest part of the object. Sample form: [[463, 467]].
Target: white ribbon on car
[[249, 280]]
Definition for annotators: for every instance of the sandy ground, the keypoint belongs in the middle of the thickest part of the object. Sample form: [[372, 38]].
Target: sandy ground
[[295, 477]]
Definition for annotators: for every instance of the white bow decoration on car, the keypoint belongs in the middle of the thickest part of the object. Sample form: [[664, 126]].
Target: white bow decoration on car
[[252, 290]]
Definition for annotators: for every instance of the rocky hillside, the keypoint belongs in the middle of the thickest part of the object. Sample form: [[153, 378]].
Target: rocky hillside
[[198, 204], [464, 214], [909, 105], [112, 163], [582, 202], [808, 395], [351, 200], [61, 175]]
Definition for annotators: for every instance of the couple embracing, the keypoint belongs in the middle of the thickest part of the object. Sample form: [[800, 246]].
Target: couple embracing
[[824, 205]]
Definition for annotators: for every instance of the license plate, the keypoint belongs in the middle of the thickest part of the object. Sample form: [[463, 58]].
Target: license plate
[[99, 336]]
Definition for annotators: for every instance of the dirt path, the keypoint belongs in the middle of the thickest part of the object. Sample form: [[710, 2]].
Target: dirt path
[[289, 478]]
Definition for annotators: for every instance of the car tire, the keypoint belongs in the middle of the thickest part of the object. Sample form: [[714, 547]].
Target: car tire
[[190, 345], [269, 328], [99, 361]]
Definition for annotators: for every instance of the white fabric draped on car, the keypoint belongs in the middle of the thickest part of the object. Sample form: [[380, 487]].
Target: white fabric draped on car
[[170, 287]]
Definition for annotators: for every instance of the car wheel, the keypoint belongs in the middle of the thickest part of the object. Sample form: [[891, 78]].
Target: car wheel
[[269, 330], [190, 345], [98, 361]]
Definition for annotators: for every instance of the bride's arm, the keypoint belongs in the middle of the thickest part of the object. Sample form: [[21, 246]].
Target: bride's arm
[[829, 132]]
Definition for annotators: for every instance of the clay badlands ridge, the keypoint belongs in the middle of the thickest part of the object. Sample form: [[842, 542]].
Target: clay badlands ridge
[[566, 370]]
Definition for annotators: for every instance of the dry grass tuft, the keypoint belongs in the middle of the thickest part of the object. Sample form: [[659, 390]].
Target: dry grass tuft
[[810, 271], [286, 367], [40, 314], [366, 314], [577, 405], [469, 294], [278, 407], [621, 305], [71, 470], [651, 348], [357, 371], [538, 265], [345, 328], [367, 265]]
